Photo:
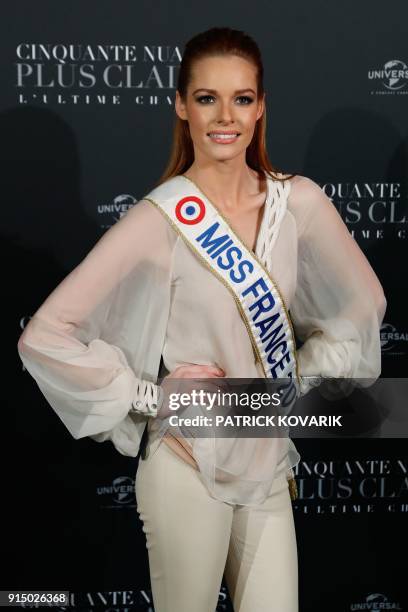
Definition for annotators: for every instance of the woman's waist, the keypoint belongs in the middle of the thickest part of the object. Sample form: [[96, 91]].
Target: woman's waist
[[235, 365], [179, 444], [184, 445]]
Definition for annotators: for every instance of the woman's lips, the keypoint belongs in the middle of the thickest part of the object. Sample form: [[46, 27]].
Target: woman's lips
[[223, 139]]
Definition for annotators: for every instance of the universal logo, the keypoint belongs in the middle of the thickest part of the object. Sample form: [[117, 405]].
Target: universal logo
[[391, 79], [118, 494], [375, 601], [112, 211], [392, 339]]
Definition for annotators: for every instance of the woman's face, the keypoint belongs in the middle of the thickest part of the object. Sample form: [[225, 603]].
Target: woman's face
[[221, 97]]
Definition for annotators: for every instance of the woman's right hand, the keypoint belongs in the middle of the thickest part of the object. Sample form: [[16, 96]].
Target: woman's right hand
[[195, 373]]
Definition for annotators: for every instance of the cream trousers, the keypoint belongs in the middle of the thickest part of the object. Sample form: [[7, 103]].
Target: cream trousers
[[193, 539]]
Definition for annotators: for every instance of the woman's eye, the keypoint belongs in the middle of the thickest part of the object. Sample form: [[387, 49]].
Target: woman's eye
[[246, 99], [201, 98]]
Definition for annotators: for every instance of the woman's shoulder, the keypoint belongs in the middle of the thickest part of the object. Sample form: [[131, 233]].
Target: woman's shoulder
[[300, 189], [144, 223], [145, 212], [303, 190], [306, 197]]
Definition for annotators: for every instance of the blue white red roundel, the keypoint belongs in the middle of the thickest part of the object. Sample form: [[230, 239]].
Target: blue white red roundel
[[190, 210]]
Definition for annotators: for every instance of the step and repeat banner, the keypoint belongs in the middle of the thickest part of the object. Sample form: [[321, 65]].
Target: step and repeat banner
[[87, 107]]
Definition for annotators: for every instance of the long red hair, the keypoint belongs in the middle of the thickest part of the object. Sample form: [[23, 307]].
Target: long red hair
[[216, 42]]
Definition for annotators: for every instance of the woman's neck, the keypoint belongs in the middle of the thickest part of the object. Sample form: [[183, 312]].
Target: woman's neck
[[229, 187]]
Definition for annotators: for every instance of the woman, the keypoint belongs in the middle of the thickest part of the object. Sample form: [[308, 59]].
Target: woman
[[146, 292]]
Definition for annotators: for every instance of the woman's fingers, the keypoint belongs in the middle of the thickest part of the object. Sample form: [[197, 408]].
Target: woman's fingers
[[194, 373], [197, 371]]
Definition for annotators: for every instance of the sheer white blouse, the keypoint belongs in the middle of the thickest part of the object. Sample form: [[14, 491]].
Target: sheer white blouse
[[94, 345]]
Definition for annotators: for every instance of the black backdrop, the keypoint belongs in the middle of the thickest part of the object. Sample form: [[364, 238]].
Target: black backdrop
[[87, 93]]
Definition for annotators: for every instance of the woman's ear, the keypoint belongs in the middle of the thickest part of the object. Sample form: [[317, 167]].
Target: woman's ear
[[261, 107], [180, 107]]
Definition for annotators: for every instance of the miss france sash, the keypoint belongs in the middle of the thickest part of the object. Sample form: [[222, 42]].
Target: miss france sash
[[207, 233]]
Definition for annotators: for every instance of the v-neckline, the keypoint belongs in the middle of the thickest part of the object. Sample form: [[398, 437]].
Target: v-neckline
[[267, 193]]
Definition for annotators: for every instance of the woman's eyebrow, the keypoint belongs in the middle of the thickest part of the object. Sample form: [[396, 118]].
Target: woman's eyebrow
[[237, 91]]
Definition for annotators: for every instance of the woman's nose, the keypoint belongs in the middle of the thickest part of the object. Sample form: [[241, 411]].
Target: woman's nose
[[225, 112]]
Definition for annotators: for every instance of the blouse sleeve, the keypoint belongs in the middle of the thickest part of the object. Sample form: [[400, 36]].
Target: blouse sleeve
[[90, 346], [339, 304]]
